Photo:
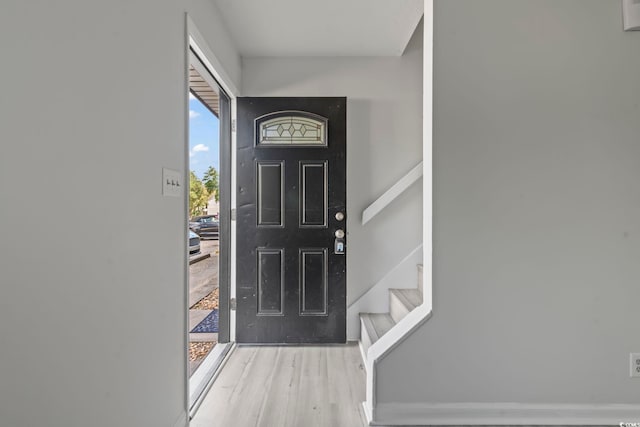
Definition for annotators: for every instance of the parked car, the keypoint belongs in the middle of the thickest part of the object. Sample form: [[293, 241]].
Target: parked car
[[205, 226], [194, 243]]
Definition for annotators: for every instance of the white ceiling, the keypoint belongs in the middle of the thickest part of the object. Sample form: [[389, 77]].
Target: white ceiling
[[321, 27]]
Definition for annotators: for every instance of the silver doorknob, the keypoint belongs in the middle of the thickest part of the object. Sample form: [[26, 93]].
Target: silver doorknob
[[339, 216], [339, 234]]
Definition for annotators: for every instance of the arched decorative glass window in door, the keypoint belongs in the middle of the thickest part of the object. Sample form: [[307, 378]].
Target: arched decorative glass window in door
[[291, 128]]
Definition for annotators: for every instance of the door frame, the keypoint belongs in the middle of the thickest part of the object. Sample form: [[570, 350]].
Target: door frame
[[194, 41], [224, 186]]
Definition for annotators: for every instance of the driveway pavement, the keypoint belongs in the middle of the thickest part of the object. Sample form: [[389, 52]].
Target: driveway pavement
[[203, 279], [203, 275]]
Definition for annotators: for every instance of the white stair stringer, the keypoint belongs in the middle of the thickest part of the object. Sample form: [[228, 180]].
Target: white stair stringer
[[384, 345], [373, 326], [381, 332], [376, 299]]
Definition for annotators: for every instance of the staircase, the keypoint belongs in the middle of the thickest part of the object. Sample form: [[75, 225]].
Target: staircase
[[401, 302]]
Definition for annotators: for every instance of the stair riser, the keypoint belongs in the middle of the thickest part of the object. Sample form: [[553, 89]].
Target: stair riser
[[397, 309]]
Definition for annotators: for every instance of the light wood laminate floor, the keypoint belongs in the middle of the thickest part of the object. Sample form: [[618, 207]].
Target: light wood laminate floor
[[280, 386]]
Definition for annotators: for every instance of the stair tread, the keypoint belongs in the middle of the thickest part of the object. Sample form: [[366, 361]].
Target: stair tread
[[410, 298], [377, 324]]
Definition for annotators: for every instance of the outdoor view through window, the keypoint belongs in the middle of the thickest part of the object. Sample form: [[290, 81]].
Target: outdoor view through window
[[204, 164]]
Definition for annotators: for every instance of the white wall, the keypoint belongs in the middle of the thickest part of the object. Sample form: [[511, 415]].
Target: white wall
[[536, 209], [384, 141], [92, 311]]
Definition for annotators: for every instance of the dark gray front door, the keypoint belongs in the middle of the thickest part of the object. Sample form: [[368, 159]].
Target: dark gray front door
[[291, 204]]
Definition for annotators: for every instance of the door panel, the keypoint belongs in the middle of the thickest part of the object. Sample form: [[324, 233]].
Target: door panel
[[270, 194], [313, 194], [313, 282], [291, 183], [270, 282]]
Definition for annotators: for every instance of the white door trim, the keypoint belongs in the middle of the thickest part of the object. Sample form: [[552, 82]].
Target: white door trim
[[195, 41], [199, 45], [209, 59]]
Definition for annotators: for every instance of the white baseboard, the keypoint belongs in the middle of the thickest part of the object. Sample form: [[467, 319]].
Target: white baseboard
[[424, 414]]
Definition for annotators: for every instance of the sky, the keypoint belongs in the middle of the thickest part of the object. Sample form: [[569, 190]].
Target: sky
[[204, 138]]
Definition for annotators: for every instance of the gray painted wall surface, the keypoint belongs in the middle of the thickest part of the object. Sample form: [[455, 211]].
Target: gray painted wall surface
[[536, 208], [209, 21], [92, 311], [384, 141]]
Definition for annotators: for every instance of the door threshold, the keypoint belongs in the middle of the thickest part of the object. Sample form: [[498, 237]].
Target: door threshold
[[201, 380]]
